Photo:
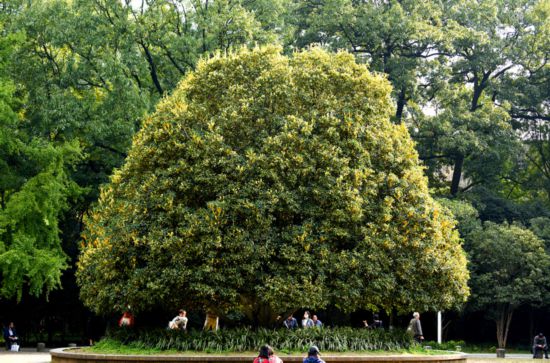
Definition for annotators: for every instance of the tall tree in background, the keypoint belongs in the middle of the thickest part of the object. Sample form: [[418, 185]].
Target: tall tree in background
[[393, 37], [509, 266], [35, 188]]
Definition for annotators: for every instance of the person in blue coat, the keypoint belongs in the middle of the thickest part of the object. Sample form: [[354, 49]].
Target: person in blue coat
[[313, 355]]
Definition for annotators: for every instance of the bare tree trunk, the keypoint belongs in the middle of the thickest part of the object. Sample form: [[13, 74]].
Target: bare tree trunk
[[457, 174], [503, 324]]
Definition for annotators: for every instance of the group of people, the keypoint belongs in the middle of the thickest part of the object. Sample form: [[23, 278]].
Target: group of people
[[10, 337], [307, 322], [267, 355]]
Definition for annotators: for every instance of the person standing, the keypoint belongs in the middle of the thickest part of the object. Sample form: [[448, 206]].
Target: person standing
[[316, 322], [267, 355], [540, 344], [313, 355], [290, 322], [415, 328], [306, 321]]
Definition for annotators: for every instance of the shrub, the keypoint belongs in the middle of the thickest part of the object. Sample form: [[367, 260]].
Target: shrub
[[242, 340]]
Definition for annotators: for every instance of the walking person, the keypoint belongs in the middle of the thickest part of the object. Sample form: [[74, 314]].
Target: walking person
[[415, 328]]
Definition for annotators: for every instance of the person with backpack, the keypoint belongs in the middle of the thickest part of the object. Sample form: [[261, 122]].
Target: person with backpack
[[267, 355]]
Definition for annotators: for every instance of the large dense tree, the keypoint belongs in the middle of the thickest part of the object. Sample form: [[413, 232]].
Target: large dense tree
[[265, 184]]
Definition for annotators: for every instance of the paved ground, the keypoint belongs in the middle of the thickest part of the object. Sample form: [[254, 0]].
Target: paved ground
[[29, 355], [493, 355], [26, 355]]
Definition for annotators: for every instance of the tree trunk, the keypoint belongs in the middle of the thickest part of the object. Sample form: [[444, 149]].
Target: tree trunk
[[401, 101], [504, 318], [152, 68], [457, 174]]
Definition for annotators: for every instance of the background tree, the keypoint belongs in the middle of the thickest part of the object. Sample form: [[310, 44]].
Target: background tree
[[34, 190], [508, 265], [265, 184]]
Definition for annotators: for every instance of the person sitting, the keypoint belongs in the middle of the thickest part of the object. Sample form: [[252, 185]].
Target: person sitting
[[290, 322], [179, 322], [267, 355], [10, 336], [540, 346], [306, 321], [126, 320], [376, 322], [313, 355], [316, 322]]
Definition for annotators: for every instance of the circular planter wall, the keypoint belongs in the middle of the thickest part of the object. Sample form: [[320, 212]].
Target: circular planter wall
[[64, 355]]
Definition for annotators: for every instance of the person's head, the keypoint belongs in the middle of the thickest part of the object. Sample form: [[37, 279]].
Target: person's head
[[182, 312], [290, 317], [314, 318], [541, 335], [416, 315], [313, 351], [265, 351], [11, 324], [306, 314], [375, 316]]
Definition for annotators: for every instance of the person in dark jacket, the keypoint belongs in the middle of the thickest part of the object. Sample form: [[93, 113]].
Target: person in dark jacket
[[313, 355], [415, 328], [290, 322], [539, 344], [10, 335]]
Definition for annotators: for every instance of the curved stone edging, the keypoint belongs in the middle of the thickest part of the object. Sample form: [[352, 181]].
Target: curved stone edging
[[64, 355]]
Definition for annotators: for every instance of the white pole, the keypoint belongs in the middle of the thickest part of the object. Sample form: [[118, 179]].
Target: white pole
[[439, 327]]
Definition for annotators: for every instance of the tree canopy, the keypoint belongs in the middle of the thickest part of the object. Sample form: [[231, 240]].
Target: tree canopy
[[509, 269], [264, 184]]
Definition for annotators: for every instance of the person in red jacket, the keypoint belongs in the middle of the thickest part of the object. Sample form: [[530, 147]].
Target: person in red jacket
[[127, 320], [267, 355]]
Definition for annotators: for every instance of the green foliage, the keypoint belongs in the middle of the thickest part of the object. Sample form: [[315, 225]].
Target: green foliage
[[540, 226], [248, 340], [34, 190], [265, 184], [466, 215], [509, 267]]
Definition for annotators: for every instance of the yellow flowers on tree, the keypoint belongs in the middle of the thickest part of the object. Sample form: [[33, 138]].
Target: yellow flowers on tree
[[268, 183]]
